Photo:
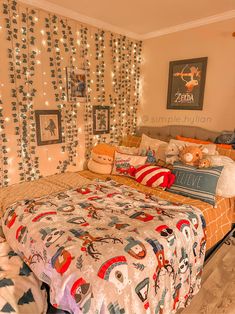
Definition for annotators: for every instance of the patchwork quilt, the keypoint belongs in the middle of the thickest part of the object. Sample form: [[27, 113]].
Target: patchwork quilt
[[20, 291], [107, 248]]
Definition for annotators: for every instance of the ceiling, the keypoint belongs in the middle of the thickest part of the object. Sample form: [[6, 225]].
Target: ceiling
[[143, 17]]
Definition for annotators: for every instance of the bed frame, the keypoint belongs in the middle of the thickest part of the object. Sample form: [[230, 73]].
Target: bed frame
[[165, 133]]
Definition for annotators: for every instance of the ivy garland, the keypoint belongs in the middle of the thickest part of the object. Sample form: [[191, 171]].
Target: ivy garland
[[21, 55], [62, 45]]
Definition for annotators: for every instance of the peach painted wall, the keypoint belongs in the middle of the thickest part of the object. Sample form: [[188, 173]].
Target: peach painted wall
[[214, 41]]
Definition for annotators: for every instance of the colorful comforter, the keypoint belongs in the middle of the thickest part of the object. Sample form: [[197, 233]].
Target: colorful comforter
[[107, 248], [20, 291]]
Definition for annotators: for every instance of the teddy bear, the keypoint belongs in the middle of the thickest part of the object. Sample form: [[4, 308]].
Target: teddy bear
[[193, 156], [190, 155], [101, 161]]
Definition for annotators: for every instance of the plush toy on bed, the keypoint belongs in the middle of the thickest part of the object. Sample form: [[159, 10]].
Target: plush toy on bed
[[193, 156], [101, 160]]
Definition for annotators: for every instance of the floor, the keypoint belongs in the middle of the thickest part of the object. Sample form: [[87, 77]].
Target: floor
[[217, 295]]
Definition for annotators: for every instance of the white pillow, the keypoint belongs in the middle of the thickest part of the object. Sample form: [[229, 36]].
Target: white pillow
[[152, 143], [226, 183], [174, 146]]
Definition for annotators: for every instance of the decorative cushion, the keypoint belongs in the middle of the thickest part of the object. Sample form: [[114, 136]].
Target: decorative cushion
[[125, 164], [128, 150], [196, 183], [154, 176], [103, 153], [99, 168], [226, 182], [149, 143], [174, 146], [131, 141], [197, 141]]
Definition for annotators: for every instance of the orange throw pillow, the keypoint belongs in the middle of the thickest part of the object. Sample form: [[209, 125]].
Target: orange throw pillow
[[196, 141]]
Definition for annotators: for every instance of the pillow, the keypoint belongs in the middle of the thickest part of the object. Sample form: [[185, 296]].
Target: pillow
[[154, 176], [99, 168], [128, 150], [153, 144], [124, 164], [196, 183], [131, 141], [174, 146], [197, 141], [226, 182], [163, 164]]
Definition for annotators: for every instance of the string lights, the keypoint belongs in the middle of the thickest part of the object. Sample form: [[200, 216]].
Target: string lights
[[43, 45]]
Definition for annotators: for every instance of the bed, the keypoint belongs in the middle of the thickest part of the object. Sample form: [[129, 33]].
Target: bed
[[112, 245]]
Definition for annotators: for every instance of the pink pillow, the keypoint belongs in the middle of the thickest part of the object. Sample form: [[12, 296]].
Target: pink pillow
[[154, 176]]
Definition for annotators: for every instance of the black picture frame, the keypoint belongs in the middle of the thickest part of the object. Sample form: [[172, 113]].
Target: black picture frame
[[101, 120], [186, 84], [48, 127], [76, 84]]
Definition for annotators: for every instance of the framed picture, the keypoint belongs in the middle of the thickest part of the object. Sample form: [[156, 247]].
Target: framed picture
[[186, 84], [48, 127], [101, 119], [76, 84]]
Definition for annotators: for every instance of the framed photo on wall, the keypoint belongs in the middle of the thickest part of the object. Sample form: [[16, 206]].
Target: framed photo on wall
[[101, 119], [48, 127], [76, 84], [186, 84]]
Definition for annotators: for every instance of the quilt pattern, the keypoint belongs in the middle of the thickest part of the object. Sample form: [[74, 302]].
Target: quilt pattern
[[107, 248]]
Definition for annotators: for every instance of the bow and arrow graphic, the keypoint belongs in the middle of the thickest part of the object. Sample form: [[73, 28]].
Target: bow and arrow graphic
[[194, 76]]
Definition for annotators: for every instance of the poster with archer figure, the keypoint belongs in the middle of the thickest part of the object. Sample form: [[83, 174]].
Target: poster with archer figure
[[186, 84]]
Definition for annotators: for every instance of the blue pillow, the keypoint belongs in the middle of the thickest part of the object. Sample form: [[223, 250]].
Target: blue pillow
[[196, 183]]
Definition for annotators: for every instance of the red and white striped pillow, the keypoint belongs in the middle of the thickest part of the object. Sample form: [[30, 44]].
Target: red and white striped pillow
[[154, 176]]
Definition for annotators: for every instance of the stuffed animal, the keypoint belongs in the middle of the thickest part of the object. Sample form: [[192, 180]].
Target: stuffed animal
[[172, 153], [101, 160], [204, 163], [191, 155]]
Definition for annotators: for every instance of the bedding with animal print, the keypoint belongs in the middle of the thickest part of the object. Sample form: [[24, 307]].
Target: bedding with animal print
[[107, 248]]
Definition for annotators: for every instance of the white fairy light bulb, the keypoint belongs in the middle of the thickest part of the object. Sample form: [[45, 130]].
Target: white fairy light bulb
[[44, 42], [7, 119], [47, 103], [36, 19], [42, 32]]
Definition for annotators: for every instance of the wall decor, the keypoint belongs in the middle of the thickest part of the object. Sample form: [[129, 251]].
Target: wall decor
[[48, 127], [76, 84], [101, 119], [39, 46], [186, 84]]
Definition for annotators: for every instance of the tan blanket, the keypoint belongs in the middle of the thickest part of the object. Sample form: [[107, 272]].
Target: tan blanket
[[42, 187]]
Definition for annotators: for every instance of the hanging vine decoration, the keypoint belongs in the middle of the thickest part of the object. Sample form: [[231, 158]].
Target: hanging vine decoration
[[3, 151], [21, 57]]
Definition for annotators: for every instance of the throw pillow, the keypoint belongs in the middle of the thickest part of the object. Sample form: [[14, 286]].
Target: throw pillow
[[154, 176], [196, 183], [125, 164]]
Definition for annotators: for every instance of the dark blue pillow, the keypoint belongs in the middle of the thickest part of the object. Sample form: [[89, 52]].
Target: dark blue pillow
[[196, 183]]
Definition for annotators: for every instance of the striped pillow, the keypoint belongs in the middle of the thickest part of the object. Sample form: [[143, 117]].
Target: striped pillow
[[154, 176], [196, 183]]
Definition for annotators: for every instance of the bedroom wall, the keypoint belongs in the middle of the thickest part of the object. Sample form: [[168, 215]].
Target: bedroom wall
[[36, 47], [214, 41]]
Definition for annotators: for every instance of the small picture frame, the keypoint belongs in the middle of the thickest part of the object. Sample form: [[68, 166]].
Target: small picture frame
[[101, 119], [186, 84], [48, 127], [76, 84]]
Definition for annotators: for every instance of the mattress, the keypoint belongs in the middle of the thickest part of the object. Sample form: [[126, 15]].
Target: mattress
[[218, 219]]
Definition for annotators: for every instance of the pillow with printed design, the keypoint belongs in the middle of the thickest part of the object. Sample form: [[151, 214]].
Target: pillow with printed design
[[152, 147], [125, 164], [154, 176], [196, 183]]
